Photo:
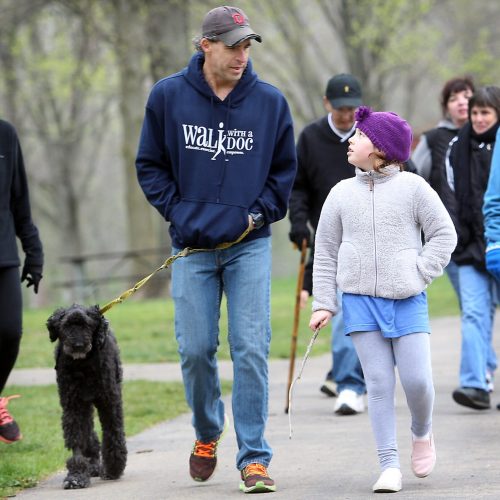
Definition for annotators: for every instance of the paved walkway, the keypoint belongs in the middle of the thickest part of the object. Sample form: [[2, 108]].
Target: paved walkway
[[328, 456]]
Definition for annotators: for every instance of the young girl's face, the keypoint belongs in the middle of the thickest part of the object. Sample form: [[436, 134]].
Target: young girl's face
[[482, 118], [360, 149]]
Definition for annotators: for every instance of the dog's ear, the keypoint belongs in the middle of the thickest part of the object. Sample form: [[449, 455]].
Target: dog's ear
[[53, 324], [102, 330]]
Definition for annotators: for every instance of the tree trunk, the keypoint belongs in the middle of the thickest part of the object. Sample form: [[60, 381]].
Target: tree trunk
[[130, 54], [168, 48]]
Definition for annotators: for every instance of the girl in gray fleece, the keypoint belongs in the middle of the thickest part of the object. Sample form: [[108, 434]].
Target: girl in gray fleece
[[369, 245]]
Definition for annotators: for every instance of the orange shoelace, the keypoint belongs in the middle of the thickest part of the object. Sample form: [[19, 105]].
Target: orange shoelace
[[5, 416], [205, 450], [255, 470]]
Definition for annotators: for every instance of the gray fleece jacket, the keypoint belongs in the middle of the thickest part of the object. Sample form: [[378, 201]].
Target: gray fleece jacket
[[369, 241]]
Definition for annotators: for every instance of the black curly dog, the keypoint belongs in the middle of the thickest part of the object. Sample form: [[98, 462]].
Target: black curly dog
[[89, 374]]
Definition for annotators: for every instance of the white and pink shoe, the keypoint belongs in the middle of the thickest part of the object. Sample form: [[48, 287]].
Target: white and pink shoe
[[423, 456]]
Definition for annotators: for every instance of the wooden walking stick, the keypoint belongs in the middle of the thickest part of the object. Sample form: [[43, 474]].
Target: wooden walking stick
[[295, 330]]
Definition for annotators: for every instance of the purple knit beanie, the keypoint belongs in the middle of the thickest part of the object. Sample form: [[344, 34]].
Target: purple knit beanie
[[388, 132]]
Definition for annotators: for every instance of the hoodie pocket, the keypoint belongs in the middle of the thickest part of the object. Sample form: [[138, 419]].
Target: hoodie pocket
[[407, 279], [206, 225], [348, 268]]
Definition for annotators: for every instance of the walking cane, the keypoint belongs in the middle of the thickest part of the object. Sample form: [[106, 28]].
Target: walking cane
[[293, 348]]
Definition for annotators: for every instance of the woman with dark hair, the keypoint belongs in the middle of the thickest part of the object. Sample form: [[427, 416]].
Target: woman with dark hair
[[429, 155], [468, 164]]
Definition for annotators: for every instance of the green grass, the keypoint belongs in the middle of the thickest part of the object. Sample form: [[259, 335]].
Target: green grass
[[145, 329], [41, 452]]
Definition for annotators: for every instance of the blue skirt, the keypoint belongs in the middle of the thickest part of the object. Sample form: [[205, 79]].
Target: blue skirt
[[393, 317]]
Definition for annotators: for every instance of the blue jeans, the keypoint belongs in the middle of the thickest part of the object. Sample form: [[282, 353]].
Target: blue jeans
[[346, 371], [452, 272], [477, 297], [243, 273]]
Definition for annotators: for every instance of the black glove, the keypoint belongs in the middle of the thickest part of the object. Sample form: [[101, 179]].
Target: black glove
[[32, 275], [298, 234]]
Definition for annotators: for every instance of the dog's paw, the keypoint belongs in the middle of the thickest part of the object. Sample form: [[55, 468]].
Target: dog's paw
[[95, 469], [110, 475], [76, 481]]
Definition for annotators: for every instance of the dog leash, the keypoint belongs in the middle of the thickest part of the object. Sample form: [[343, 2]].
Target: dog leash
[[168, 262], [306, 355]]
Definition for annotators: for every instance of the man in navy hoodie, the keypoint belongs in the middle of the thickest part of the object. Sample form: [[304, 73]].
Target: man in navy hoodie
[[216, 157]]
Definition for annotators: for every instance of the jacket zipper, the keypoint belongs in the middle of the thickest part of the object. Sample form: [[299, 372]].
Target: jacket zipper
[[372, 191]]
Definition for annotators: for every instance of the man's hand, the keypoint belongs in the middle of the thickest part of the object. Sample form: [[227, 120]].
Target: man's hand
[[493, 262], [304, 297], [32, 275], [319, 319], [299, 234]]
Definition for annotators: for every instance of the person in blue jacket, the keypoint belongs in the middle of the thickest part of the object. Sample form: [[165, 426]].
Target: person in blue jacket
[[491, 211], [217, 157]]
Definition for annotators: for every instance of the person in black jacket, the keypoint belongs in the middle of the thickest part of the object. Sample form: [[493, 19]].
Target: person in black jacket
[[467, 167], [15, 221], [322, 163], [429, 155]]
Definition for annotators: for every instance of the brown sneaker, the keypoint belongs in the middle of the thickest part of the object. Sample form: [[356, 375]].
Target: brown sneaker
[[203, 459], [256, 479], [9, 430]]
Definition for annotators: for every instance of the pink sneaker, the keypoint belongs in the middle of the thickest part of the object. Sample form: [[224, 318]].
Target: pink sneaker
[[9, 430], [423, 456]]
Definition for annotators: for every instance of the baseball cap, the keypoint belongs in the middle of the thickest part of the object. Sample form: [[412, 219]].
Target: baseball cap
[[229, 25], [344, 90]]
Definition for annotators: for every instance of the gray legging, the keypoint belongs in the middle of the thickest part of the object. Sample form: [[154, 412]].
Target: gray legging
[[411, 354]]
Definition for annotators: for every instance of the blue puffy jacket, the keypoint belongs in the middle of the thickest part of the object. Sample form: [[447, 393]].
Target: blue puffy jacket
[[491, 208]]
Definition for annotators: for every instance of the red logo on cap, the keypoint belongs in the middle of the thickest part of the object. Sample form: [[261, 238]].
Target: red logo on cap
[[238, 18]]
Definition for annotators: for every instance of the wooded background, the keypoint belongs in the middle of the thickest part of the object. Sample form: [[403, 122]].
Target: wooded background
[[75, 74]]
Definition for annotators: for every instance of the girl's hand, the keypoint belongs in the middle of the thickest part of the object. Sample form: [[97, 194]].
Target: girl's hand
[[319, 319]]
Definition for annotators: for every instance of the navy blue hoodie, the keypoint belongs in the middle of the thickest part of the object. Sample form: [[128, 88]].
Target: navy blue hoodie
[[206, 163]]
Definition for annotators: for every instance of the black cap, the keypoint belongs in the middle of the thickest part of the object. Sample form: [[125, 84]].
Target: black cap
[[344, 90], [229, 25]]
